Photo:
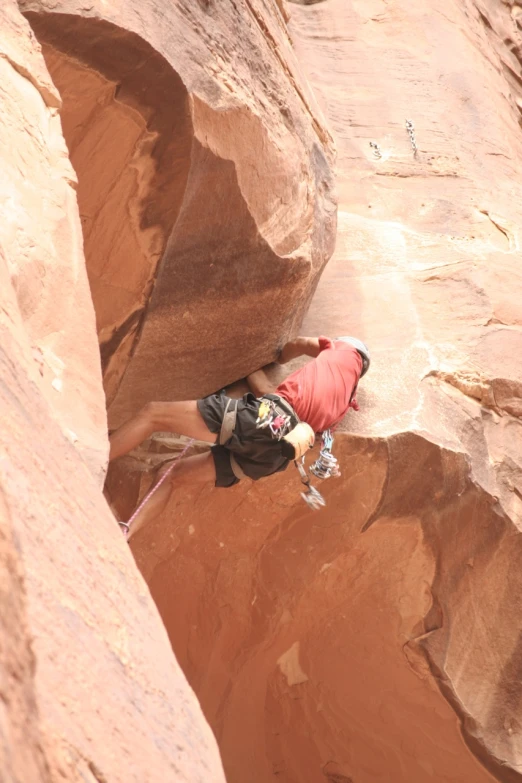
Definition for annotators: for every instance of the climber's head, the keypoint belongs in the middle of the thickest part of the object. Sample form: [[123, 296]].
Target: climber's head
[[361, 349]]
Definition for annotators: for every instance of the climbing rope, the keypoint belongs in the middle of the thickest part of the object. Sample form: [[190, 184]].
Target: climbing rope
[[125, 526]]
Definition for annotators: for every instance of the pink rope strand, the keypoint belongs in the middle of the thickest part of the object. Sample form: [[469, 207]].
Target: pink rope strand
[[125, 526]]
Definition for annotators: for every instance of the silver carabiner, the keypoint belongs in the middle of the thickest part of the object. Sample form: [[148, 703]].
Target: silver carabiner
[[325, 466], [313, 498]]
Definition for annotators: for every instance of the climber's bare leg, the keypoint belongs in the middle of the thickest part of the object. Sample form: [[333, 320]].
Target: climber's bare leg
[[183, 418], [198, 469]]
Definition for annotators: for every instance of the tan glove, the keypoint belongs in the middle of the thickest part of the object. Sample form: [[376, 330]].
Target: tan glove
[[300, 439]]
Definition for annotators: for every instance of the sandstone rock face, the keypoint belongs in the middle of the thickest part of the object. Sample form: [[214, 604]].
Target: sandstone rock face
[[428, 258], [379, 639], [41, 244], [207, 216], [89, 688]]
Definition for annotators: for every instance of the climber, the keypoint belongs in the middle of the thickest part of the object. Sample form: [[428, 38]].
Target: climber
[[261, 433]]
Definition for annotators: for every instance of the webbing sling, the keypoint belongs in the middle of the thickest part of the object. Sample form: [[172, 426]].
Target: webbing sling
[[227, 428], [229, 422]]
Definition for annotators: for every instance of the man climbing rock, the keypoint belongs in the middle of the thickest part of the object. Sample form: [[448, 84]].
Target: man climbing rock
[[261, 433]]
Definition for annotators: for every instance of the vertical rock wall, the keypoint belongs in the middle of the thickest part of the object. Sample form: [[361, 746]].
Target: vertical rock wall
[[208, 214], [379, 638], [89, 686], [41, 245], [181, 144]]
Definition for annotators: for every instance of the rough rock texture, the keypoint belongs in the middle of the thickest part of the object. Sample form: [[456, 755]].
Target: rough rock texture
[[376, 640], [89, 688], [428, 257], [209, 216], [428, 247], [379, 639], [41, 243]]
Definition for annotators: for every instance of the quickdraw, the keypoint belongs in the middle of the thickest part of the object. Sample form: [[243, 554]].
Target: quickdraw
[[410, 129], [325, 466], [311, 497], [376, 150]]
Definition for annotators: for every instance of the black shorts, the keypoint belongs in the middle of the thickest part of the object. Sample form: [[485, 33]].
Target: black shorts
[[256, 451]]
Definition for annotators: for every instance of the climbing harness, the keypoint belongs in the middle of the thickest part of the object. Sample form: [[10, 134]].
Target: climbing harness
[[276, 415], [301, 437], [411, 132], [228, 426], [376, 150], [125, 526], [280, 418], [278, 423]]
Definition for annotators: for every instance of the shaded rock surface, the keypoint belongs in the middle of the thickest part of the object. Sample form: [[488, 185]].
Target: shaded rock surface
[[207, 217], [379, 639], [41, 243], [89, 687]]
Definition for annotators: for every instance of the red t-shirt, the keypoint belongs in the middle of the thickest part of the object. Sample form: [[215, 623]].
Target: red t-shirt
[[321, 391]]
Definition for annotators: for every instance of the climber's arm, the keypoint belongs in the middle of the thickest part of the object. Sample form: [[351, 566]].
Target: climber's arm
[[303, 346], [258, 381]]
